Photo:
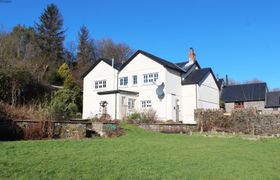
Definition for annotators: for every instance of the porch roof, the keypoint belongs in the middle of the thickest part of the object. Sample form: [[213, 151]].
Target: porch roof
[[117, 91]]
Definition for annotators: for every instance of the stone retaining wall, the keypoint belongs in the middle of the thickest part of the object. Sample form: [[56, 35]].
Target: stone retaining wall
[[75, 129], [169, 128]]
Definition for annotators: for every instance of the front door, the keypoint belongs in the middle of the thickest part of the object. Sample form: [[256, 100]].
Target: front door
[[175, 108]]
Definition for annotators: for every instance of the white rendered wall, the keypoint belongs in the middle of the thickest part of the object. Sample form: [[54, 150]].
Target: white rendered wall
[[173, 91], [208, 94], [91, 99], [189, 103], [143, 65]]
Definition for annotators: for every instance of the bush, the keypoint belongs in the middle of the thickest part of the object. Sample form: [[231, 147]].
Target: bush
[[63, 104], [113, 129], [18, 86], [55, 78], [64, 71], [147, 116]]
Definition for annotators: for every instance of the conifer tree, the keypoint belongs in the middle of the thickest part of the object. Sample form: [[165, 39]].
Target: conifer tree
[[86, 52], [50, 35]]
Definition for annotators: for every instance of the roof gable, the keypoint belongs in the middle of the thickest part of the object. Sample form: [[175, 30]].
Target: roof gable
[[198, 75], [244, 92], [161, 61], [117, 65], [273, 99]]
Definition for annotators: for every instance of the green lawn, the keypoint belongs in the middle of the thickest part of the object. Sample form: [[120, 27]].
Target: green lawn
[[141, 155]]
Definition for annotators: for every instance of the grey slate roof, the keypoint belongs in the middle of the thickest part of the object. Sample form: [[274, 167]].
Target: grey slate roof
[[244, 92], [159, 60], [181, 64], [196, 76], [273, 99], [117, 65]]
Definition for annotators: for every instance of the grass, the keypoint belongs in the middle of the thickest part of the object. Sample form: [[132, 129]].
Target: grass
[[141, 155]]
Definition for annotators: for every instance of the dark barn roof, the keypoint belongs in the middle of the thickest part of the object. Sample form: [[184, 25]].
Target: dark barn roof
[[244, 92], [273, 99]]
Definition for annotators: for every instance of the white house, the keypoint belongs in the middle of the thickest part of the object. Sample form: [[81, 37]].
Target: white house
[[145, 81]]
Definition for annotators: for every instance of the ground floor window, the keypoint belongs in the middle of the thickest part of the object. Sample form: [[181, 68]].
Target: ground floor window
[[131, 103], [239, 105], [146, 104]]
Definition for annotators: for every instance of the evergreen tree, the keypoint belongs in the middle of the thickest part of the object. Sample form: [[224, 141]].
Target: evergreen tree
[[50, 35], [85, 48]]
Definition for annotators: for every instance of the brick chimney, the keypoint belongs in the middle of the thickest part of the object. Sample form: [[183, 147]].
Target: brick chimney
[[192, 58]]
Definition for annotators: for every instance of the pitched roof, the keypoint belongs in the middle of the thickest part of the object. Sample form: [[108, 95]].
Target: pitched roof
[[161, 61], [197, 76], [117, 91], [244, 92], [273, 99], [181, 64], [117, 65], [221, 82]]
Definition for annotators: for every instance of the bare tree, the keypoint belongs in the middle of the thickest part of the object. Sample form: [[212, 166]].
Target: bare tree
[[109, 49]]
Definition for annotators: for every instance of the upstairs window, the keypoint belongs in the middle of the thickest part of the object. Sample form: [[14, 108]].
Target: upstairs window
[[100, 84], [134, 79], [150, 78], [146, 104], [123, 81]]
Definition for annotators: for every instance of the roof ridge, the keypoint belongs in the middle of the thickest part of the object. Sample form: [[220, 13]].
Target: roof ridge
[[246, 84]]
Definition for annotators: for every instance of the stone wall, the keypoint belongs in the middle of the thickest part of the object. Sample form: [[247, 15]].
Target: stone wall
[[239, 121], [71, 130], [169, 128], [259, 105], [74, 129]]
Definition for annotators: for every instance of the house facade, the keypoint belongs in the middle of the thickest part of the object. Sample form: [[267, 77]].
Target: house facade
[[146, 82]]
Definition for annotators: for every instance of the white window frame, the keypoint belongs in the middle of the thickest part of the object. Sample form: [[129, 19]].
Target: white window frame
[[131, 103], [150, 78], [122, 81], [100, 84], [146, 104], [134, 80]]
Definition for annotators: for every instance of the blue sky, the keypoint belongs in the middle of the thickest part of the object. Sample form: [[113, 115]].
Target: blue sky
[[240, 38]]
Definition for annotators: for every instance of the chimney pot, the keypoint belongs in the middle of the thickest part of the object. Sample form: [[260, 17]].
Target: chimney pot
[[192, 58]]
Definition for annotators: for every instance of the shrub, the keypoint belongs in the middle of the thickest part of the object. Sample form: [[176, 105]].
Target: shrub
[[18, 86], [64, 71], [55, 78], [113, 129], [63, 104], [147, 116]]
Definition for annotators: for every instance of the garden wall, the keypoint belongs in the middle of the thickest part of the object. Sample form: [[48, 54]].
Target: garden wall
[[240, 121], [75, 129], [169, 128]]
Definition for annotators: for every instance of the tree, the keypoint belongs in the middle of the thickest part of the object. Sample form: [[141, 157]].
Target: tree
[[86, 51], [119, 51], [253, 81], [50, 35]]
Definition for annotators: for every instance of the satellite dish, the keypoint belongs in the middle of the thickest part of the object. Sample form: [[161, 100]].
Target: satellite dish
[[160, 91]]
